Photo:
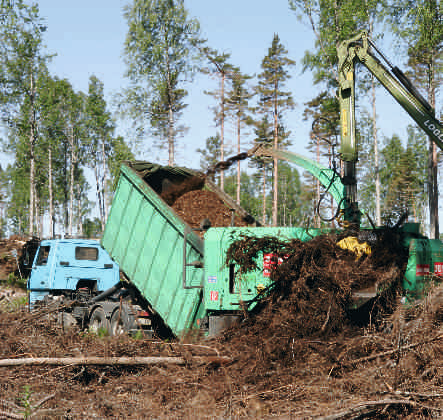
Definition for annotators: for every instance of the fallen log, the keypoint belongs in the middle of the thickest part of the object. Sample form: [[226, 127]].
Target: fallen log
[[113, 361]]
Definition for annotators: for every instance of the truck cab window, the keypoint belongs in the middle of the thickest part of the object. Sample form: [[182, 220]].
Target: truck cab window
[[42, 258], [86, 253]]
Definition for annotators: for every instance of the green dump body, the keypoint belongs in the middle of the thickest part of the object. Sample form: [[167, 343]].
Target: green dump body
[[146, 237]]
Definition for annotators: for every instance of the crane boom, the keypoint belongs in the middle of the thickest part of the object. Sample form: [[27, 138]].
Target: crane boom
[[358, 50]]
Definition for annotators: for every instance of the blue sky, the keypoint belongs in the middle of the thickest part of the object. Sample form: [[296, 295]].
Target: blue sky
[[88, 38]]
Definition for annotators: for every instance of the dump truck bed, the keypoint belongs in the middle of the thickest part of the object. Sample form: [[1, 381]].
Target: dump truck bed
[[146, 237]]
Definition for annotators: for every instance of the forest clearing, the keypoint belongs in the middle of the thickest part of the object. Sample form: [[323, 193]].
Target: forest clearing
[[277, 364], [246, 288]]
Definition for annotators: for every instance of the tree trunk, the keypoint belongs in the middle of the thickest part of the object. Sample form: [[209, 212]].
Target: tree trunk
[[238, 162], [113, 361], [51, 195], [375, 136], [222, 131], [38, 220], [376, 163], [65, 190], [79, 215], [433, 163], [171, 136], [275, 183], [264, 196], [71, 181], [99, 197], [105, 209], [317, 214], [32, 161]]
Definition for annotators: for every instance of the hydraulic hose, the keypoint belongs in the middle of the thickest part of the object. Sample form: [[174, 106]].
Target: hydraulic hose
[[107, 292]]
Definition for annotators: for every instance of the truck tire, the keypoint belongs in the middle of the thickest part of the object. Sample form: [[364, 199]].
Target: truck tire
[[98, 323], [122, 321]]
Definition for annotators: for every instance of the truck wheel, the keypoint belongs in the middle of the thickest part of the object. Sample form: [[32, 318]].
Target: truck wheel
[[98, 323], [122, 321]]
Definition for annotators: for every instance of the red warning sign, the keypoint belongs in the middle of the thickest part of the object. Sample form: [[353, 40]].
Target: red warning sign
[[270, 261], [438, 268], [422, 270]]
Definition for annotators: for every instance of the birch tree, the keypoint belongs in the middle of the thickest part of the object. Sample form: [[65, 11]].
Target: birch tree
[[159, 50], [23, 60], [99, 134]]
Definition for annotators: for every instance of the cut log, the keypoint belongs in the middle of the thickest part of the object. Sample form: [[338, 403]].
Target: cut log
[[116, 361]]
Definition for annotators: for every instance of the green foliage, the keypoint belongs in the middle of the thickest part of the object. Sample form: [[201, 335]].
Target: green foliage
[[158, 52], [25, 400], [14, 304], [403, 176], [291, 211], [249, 195], [272, 99], [120, 152], [92, 228], [12, 279], [138, 335], [225, 71], [210, 155]]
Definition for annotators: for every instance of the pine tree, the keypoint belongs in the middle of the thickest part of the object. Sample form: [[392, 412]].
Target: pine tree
[[262, 136], [403, 178], [220, 67], [274, 101], [331, 23], [210, 155]]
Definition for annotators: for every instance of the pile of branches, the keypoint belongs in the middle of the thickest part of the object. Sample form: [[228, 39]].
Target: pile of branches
[[312, 286]]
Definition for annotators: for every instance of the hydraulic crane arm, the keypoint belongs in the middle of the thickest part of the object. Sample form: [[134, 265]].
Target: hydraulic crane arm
[[357, 50], [327, 177]]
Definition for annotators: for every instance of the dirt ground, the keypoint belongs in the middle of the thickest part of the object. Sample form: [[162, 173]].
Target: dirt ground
[[298, 355]]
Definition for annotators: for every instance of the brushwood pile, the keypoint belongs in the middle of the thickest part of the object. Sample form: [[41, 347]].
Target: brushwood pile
[[313, 283]]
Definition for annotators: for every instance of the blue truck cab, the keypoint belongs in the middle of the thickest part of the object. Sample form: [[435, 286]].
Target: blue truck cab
[[63, 266]]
